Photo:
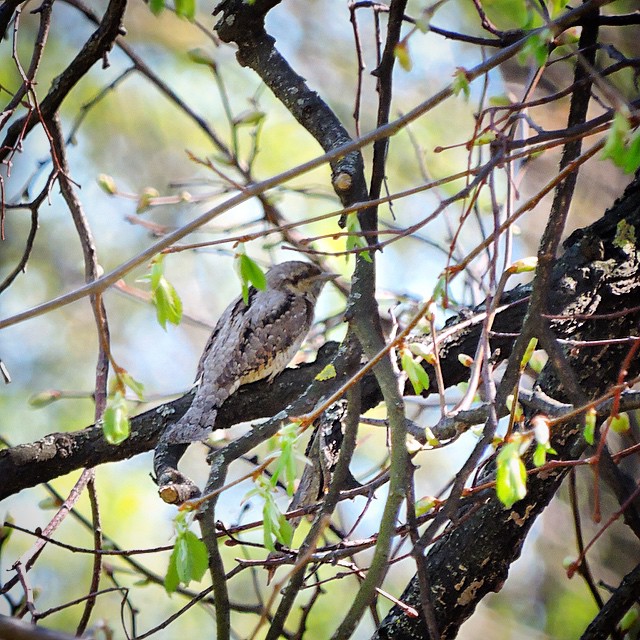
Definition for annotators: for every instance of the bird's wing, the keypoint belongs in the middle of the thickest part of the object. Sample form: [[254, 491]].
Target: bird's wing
[[249, 342]]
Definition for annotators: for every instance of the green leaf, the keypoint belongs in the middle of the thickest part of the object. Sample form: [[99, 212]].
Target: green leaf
[[632, 157], [528, 352], [199, 55], [156, 6], [284, 535], [557, 6], [107, 184], [536, 48], [249, 118], [484, 138], [401, 52], [171, 579], [115, 420], [198, 557], [186, 9], [460, 83], [590, 426], [133, 384], [417, 375], [615, 145], [432, 441], [163, 294], [511, 475], [157, 271], [424, 505], [629, 619], [183, 560], [620, 423], [524, 265], [540, 454], [267, 531], [423, 377], [250, 272], [500, 101], [285, 470], [167, 302], [146, 198]]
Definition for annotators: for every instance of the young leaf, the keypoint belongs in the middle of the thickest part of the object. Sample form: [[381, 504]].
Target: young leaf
[[107, 184], [251, 272], [284, 534], [614, 147], [417, 375], [249, 118], [484, 138], [518, 413], [465, 360], [401, 52], [133, 384], [267, 530], [198, 558], [163, 294], [424, 505], [536, 48], [44, 398], [198, 55], [171, 579], [156, 6], [524, 265], [620, 423], [167, 302], [186, 9], [354, 240], [511, 475], [145, 199], [115, 420], [188, 560], [540, 454], [632, 156], [460, 83], [183, 560], [590, 426]]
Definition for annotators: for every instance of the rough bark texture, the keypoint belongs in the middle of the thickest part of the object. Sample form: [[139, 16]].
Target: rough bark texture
[[594, 276]]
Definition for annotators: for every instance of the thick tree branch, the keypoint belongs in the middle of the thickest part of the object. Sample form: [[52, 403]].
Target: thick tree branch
[[492, 538], [243, 23]]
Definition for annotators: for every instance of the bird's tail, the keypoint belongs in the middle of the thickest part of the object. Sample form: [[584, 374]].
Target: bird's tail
[[194, 426]]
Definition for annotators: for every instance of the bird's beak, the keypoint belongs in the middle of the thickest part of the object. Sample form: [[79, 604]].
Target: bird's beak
[[325, 276]]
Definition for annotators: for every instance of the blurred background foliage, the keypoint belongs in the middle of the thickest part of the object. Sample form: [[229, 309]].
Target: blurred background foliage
[[136, 135]]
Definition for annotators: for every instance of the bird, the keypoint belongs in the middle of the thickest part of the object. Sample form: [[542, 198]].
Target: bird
[[251, 341]]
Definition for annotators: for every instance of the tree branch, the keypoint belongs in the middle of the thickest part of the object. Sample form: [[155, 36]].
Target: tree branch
[[582, 286]]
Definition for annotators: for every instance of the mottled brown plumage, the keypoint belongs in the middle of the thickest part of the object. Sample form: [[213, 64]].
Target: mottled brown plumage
[[251, 342]]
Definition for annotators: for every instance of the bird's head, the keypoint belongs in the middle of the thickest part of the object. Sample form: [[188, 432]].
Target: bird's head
[[299, 278]]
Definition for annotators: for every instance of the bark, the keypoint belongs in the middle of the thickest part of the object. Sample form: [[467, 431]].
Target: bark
[[595, 275]]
